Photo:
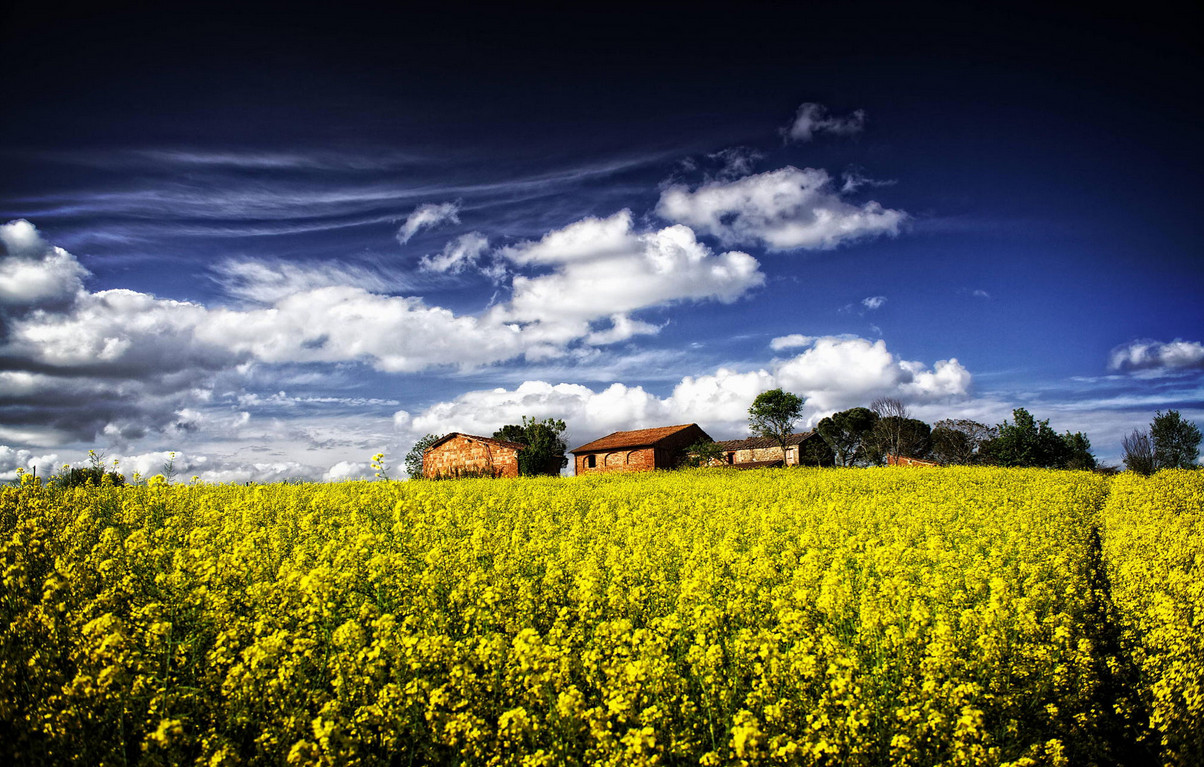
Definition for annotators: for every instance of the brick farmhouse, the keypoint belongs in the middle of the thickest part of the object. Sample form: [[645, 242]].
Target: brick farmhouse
[[458, 455], [640, 450], [760, 452]]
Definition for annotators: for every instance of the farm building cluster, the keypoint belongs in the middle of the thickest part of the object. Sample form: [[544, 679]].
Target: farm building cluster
[[664, 447]]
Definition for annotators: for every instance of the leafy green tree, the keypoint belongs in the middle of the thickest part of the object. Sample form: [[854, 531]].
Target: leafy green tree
[[702, 453], [815, 452], [1176, 441], [1078, 451], [413, 459], [849, 434], [1029, 442], [960, 442], [773, 414], [896, 432], [545, 449]]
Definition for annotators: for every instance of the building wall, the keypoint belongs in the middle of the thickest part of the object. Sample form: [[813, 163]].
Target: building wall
[[640, 459], [461, 455], [763, 454]]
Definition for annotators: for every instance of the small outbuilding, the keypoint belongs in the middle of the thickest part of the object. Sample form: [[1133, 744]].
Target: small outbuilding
[[467, 455], [639, 450], [760, 452]]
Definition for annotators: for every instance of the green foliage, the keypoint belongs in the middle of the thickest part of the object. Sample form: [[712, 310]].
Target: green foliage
[[702, 453], [897, 435], [1176, 442], [545, 446], [414, 457], [960, 442], [1078, 451], [815, 452], [849, 434], [1029, 442], [94, 476], [773, 414]]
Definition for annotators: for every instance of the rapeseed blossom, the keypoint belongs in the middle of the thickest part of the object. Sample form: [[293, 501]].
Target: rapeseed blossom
[[860, 617]]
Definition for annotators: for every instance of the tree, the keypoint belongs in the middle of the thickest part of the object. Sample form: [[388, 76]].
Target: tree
[[896, 432], [1078, 452], [1139, 452], [960, 442], [414, 457], [772, 415], [1176, 442], [848, 433], [703, 453], [545, 449], [1029, 442], [815, 452]]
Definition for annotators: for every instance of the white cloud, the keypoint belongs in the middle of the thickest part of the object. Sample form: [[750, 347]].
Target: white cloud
[[344, 470], [873, 302], [785, 209], [34, 272], [984, 295], [1158, 357], [457, 255], [427, 216], [266, 282], [792, 341], [812, 119], [837, 372], [605, 268], [13, 458]]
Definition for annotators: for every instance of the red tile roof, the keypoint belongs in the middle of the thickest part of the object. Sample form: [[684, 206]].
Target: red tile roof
[[760, 443], [490, 440], [628, 439]]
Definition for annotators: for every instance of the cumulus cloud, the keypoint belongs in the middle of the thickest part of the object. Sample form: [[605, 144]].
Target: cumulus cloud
[[427, 216], [1157, 357], [12, 459], [122, 363], [834, 373], [812, 119], [32, 271], [872, 303], [785, 209], [457, 255], [604, 267], [792, 341]]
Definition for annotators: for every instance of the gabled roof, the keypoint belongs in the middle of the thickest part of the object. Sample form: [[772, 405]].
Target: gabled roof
[[637, 438], [761, 443], [475, 438]]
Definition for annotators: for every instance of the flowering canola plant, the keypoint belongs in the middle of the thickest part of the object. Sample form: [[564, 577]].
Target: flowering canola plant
[[795, 617], [1154, 544]]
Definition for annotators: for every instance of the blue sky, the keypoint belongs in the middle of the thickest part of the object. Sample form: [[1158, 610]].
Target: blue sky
[[278, 241]]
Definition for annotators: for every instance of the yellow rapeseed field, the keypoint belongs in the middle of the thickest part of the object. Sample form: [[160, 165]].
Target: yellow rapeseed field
[[810, 617]]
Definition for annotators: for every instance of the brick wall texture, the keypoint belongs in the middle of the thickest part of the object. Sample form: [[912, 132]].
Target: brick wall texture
[[465, 455]]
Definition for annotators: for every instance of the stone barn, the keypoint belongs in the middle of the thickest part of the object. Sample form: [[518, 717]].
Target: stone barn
[[640, 450], [467, 455], [760, 452]]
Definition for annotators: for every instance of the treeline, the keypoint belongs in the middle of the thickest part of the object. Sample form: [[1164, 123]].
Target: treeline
[[868, 436]]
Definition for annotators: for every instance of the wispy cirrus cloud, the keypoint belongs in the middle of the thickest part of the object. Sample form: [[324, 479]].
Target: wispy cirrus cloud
[[426, 216]]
